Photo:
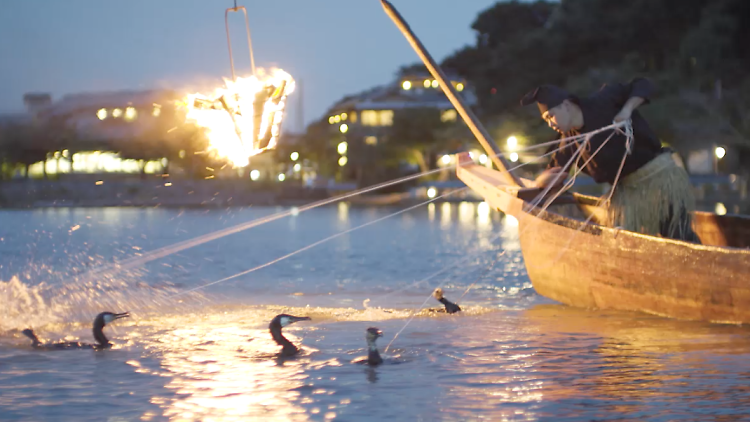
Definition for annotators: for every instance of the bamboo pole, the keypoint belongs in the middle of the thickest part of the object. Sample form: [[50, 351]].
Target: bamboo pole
[[467, 115]]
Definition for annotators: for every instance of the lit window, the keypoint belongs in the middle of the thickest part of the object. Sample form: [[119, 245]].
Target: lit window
[[156, 112], [344, 116], [337, 118], [386, 117], [459, 87], [435, 83], [343, 161], [377, 117], [369, 118], [448, 115], [371, 140], [353, 117], [297, 167], [331, 120], [116, 113], [427, 83], [406, 85]]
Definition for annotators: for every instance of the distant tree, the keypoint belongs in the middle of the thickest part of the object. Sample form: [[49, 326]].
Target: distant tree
[[415, 137]]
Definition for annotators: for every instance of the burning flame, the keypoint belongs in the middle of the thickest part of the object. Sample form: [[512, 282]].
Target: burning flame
[[243, 118]]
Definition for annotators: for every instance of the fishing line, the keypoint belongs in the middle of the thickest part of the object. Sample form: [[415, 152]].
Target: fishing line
[[535, 203], [132, 262], [312, 245], [470, 256]]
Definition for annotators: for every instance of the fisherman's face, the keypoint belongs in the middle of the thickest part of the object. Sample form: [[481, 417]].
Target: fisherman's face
[[559, 117]]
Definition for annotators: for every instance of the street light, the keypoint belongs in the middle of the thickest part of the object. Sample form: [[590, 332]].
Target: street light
[[294, 156], [343, 146], [254, 175], [446, 159], [512, 142], [297, 167], [343, 160], [282, 177], [344, 128], [513, 157], [720, 152], [431, 193]]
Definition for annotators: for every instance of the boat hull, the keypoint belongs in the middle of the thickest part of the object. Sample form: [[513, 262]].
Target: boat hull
[[592, 266], [611, 269]]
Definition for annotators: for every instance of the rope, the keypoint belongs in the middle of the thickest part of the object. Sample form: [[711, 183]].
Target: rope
[[540, 196], [318, 243]]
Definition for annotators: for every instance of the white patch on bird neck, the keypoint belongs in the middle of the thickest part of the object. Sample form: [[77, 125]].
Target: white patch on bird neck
[[108, 318], [284, 321]]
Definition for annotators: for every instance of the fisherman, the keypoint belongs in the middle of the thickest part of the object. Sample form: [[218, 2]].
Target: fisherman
[[653, 194]]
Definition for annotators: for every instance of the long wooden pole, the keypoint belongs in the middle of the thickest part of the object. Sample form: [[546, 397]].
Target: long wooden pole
[[467, 115]]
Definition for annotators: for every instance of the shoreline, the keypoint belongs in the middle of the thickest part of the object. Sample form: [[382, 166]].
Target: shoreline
[[164, 193]]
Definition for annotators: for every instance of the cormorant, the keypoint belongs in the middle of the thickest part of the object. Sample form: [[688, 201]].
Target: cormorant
[[450, 307], [280, 321], [102, 342], [373, 357]]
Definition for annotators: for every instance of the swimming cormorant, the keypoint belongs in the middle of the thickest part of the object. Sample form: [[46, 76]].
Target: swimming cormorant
[[373, 357], [102, 342], [450, 307], [280, 321]]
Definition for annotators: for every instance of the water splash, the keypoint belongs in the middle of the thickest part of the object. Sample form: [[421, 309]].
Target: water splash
[[22, 305]]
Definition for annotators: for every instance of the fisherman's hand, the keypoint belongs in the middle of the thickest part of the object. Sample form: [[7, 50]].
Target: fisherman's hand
[[623, 115], [554, 177]]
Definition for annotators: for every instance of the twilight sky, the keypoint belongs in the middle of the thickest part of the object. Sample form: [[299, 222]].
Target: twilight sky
[[336, 47]]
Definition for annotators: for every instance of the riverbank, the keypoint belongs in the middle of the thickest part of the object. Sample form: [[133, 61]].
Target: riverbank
[[721, 194]]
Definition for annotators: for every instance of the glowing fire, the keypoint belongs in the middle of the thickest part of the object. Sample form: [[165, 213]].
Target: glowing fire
[[243, 118]]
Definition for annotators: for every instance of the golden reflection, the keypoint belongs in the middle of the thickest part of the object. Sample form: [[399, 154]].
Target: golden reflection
[[343, 212], [445, 215], [639, 356], [484, 219], [431, 211], [222, 367], [466, 213]]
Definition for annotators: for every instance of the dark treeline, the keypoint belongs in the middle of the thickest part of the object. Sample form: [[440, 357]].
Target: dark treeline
[[694, 50]]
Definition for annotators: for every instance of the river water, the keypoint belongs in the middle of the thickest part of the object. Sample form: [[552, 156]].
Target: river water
[[207, 354]]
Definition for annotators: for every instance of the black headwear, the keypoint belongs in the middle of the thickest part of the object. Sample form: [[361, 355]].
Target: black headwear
[[546, 97]]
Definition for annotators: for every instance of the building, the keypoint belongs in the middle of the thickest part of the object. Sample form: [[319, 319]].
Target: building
[[113, 134], [361, 124]]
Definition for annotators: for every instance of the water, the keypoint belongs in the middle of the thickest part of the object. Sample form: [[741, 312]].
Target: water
[[511, 355]]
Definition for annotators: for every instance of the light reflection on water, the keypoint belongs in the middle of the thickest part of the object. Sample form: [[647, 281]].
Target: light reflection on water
[[511, 355]]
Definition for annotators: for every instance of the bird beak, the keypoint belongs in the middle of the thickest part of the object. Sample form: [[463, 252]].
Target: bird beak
[[122, 315], [300, 318], [380, 333]]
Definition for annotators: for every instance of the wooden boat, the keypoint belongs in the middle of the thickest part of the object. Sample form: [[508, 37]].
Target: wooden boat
[[571, 258], [590, 265]]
